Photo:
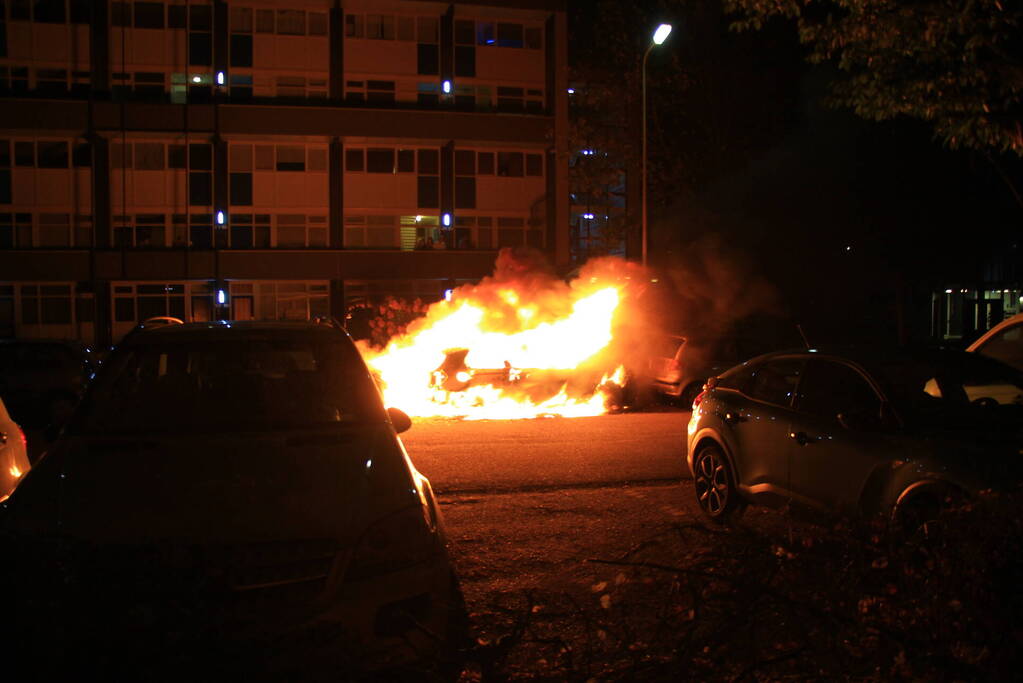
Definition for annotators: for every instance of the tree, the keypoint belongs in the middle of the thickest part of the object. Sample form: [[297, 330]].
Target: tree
[[955, 64]]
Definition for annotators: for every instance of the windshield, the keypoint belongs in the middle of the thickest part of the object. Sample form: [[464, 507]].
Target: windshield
[[233, 385]]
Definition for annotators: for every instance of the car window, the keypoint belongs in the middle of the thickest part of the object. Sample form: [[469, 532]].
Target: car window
[[242, 385], [775, 381], [1006, 346], [829, 388]]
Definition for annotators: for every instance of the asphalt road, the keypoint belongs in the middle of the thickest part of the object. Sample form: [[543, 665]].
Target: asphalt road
[[549, 453]]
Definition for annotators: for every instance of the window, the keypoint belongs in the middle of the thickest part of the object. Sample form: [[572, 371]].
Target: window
[[533, 36], [240, 19], [149, 15], [509, 35], [48, 11], [465, 193], [465, 162], [81, 155], [15, 230], [241, 189], [485, 163], [353, 26], [427, 29], [200, 49], [380, 26], [149, 156], [200, 18], [380, 160], [429, 161], [241, 50], [465, 60], [485, 33], [828, 389], [290, 158], [264, 21], [509, 164], [464, 32], [317, 24], [176, 156], [54, 230], [775, 381], [406, 161], [510, 99], [290, 22], [428, 192], [176, 16], [24, 154], [406, 28], [200, 157], [534, 165], [52, 154], [427, 59], [380, 91], [354, 160], [46, 304]]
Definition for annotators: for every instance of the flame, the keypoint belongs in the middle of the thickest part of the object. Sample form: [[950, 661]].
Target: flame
[[531, 349]]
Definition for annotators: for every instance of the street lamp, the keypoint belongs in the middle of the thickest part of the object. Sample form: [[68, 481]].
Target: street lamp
[[660, 35]]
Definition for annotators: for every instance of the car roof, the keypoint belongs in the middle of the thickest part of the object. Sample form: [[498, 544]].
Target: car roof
[[1008, 322], [229, 329]]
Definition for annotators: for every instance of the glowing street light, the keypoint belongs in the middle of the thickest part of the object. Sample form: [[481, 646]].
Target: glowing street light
[[660, 35]]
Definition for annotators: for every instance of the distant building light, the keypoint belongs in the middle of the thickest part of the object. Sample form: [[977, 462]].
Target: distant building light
[[221, 297], [948, 291], [446, 220], [197, 79], [588, 216], [419, 219], [848, 248], [446, 86], [220, 78], [588, 152], [447, 294], [220, 218], [571, 91]]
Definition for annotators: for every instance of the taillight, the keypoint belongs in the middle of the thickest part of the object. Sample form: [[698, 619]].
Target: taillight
[[698, 399], [398, 541]]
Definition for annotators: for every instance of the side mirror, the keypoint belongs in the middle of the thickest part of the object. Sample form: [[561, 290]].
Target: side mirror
[[401, 421]]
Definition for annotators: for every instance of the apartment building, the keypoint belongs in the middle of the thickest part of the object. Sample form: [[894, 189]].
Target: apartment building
[[267, 159]]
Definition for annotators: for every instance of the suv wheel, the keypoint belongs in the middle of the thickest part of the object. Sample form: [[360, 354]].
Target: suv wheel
[[714, 484]]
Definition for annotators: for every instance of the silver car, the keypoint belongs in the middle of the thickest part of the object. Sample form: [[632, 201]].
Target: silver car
[[889, 434], [232, 493]]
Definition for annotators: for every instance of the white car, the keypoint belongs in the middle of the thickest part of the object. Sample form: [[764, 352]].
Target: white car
[[1003, 342], [13, 453]]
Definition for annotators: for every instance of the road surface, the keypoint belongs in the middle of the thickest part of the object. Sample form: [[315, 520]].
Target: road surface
[[549, 454]]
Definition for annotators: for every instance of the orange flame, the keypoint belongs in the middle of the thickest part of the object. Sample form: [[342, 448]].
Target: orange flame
[[531, 348]]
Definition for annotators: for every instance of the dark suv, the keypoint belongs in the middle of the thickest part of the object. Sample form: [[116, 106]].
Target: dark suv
[[230, 494], [41, 380]]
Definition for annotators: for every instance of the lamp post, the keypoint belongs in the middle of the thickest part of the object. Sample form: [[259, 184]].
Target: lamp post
[[660, 35]]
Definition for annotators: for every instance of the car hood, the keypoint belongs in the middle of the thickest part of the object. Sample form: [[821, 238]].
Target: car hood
[[215, 489]]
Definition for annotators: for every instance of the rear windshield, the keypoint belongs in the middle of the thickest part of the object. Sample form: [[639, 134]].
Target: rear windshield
[[233, 385]]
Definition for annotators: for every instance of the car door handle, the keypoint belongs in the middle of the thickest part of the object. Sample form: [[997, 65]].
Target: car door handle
[[801, 438]]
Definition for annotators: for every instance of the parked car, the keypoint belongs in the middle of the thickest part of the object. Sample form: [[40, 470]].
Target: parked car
[[678, 366], [857, 433], [232, 492], [1003, 342], [41, 380], [13, 453]]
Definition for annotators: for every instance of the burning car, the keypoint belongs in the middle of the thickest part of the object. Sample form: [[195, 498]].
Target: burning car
[[455, 375]]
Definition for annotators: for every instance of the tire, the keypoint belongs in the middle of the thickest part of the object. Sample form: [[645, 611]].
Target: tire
[[714, 485]]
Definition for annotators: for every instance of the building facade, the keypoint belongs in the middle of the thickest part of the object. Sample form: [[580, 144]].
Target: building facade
[[270, 159]]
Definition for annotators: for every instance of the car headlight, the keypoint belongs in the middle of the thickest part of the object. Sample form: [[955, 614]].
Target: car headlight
[[399, 541]]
